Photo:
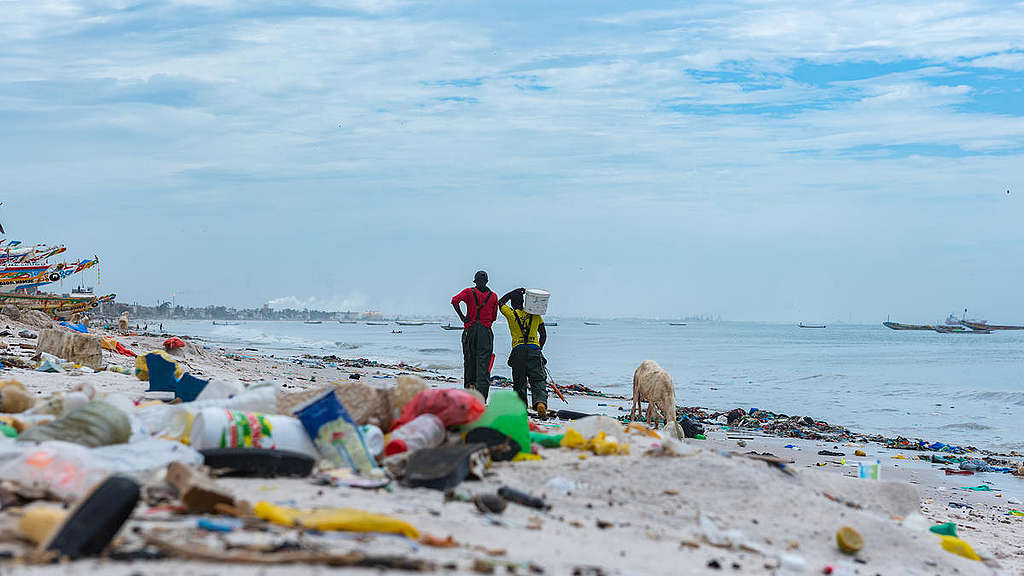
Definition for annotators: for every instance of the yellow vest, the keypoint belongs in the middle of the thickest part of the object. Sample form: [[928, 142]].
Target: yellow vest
[[516, 318]]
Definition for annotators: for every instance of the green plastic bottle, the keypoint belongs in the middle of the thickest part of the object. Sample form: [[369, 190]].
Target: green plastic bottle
[[506, 413]]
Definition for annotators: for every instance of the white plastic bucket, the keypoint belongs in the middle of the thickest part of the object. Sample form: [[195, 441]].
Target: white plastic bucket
[[535, 301]]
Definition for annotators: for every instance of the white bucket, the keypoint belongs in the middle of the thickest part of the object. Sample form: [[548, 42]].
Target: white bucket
[[535, 301]]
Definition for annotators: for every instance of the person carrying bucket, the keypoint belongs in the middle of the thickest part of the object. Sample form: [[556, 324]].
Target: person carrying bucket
[[526, 361], [477, 338]]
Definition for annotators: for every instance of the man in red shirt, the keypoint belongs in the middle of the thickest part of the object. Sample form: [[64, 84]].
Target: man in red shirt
[[477, 338]]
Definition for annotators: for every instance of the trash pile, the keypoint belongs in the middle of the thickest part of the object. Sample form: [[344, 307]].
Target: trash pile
[[570, 389], [77, 465]]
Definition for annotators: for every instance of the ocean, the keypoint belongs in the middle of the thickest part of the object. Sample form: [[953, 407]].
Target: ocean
[[957, 389]]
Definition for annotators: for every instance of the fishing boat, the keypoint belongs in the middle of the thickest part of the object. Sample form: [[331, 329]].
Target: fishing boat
[[899, 326], [677, 323], [450, 327], [52, 304], [982, 325], [60, 272], [409, 323], [14, 277], [347, 322], [551, 323], [946, 329], [376, 323], [802, 325], [313, 322], [591, 323]]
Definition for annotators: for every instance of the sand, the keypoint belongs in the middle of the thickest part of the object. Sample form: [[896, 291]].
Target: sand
[[710, 511]]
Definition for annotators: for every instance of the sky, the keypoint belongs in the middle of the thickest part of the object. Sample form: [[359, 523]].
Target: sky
[[775, 161]]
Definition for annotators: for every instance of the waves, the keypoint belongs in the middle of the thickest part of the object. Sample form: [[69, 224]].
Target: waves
[[436, 350], [1014, 397], [966, 426]]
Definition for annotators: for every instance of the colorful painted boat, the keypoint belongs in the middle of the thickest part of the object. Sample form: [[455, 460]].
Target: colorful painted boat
[[53, 304], [54, 273], [29, 254], [25, 274]]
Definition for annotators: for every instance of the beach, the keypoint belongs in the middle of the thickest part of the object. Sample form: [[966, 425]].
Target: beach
[[710, 507]]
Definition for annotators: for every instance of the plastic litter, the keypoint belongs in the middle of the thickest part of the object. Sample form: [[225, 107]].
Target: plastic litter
[[522, 498], [445, 467], [258, 462], [334, 434], [347, 519], [947, 529], [225, 428], [507, 414], [95, 424], [424, 431], [870, 470], [95, 519], [959, 547], [546, 440], [849, 540], [591, 425], [374, 439], [560, 485], [453, 406]]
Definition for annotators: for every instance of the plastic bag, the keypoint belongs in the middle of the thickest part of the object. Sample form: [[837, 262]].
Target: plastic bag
[[68, 470], [453, 406]]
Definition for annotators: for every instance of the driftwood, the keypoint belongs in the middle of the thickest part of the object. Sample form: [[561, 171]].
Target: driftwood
[[193, 551]]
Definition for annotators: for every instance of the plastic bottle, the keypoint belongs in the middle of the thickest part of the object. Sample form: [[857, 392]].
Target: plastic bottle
[[424, 431], [374, 439], [224, 428]]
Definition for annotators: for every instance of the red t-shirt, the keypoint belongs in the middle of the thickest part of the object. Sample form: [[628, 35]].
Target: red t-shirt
[[488, 305]]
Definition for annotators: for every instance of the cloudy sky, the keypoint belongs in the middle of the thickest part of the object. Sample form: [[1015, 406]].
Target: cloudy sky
[[810, 161]]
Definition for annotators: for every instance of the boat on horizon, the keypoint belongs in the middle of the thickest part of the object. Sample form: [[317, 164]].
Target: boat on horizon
[[409, 323], [802, 325], [551, 323], [899, 326], [348, 321], [979, 325], [677, 323], [591, 324], [215, 323], [947, 329], [450, 327], [376, 323]]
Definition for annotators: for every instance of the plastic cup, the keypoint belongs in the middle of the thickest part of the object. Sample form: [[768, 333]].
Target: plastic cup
[[870, 470]]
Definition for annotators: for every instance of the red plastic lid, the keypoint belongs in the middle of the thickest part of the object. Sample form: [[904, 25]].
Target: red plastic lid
[[396, 446]]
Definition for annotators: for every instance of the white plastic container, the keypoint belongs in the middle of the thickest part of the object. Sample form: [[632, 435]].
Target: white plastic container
[[423, 431], [535, 301], [374, 439], [224, 428]]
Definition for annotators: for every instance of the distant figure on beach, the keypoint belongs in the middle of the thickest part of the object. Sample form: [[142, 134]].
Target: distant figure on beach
[[526, 360], [477, 338], [161, 326]]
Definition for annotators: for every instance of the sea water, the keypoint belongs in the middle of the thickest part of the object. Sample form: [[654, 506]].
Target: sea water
[[953, 388]]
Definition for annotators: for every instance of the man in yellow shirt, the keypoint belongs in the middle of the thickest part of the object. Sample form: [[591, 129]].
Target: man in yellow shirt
[[526, 361]]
